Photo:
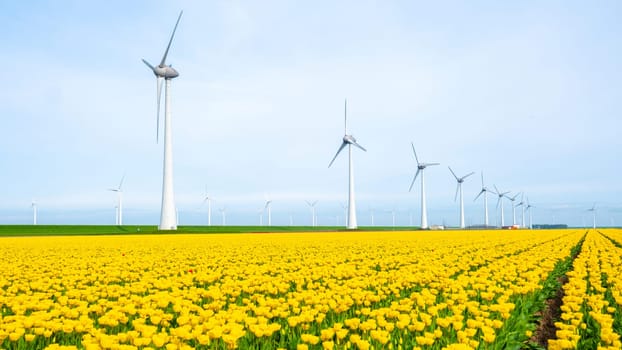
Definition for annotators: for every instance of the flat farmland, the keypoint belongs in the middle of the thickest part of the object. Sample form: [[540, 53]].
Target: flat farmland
[[331, 290]]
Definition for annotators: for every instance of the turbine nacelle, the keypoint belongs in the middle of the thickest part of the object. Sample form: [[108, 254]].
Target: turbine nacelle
[[166, 72]]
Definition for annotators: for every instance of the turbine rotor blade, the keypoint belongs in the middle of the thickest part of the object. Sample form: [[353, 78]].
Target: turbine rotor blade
[[121, 183], [149, 65], [359, 146], [414, 178], [345, 117], [456, 195], [482, 179], [159, 83], [454, 174], [415, 152], [467, 175], [480, 193], [343, 145], [170, 41]]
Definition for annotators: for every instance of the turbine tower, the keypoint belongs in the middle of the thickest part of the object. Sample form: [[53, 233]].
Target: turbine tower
[[593, 210], [420, 169], [168, 217], [34, 212], [460, 180], [349, 140], [528, 208], [485, 192], [312, 205], [223, 214], [208, 199], [512, 199], [500, 201], [522, 205], [119, 208], [267, 207]]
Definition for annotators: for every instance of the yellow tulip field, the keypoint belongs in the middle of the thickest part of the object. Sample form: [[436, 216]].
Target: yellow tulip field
[[336, 290]]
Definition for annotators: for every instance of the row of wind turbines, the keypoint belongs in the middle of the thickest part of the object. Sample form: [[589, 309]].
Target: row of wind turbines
[[168, 215]]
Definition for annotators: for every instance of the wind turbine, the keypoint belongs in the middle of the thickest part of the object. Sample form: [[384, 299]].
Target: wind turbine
[[312, 205], [528, 208], [500, 201], [371, 212], [460, 180], [485, 192], [344, 206], [34, 212], [522, 205], [267, 207], [512, 199], [208, 199], [420, 169], [349, 140], [260, 212], [119, 207], [593, 210], [168, 217], [223, 214]]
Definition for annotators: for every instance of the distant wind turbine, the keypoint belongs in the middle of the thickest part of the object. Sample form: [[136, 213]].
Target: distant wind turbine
[[593, 210], [168, 215], [119, 208], [522, 205], [313, 218], [528, 208], [223, 214], [460, 180], [34, 212], [260, 212], [420, 169], [208, 199], [512, 199], [267, 207], [500, 201], [349, 140], [344, 206], [485, 192]]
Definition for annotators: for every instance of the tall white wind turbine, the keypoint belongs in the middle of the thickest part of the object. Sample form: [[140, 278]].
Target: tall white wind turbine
[[119, 208], [593, 210], [34, 212], [500, 201], [528, 208], [484, 191], [168, 217], [349, 140], [522, 205], [313, 217], [420, 169], [223, 214], [208, 199], [512, 199], [267, 207], [460, 180]]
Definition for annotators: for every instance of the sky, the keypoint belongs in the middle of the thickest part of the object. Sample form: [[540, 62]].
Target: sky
[[527, 92]]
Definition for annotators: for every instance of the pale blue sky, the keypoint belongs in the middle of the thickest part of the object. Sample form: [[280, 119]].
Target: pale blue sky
[[527, 91]]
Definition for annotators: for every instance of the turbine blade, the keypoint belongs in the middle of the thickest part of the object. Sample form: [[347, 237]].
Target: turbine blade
[[482, 179], [343, 145], [359, 146], [414, 178], [345, 117], [480, 193], [149, 65], [159, 83], [496, 189], [467, 175], [430, 164], [456, 195], [170, 41], [415, 152], [454, 174], [121, 183]]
